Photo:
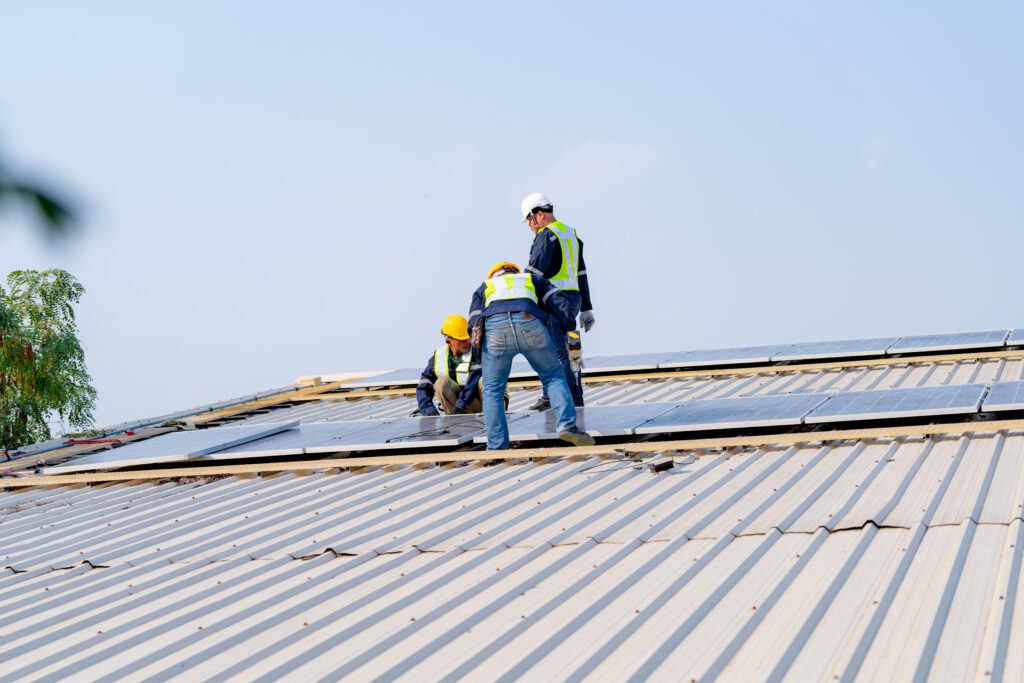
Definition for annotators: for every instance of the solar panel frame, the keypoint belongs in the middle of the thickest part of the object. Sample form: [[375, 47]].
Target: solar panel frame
[[1016, 337], [173, 447], [953, 341], [899, 403], [734, 413]]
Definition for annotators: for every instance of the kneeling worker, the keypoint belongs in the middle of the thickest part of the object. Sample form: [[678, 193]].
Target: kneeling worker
[[508, 314], [452, 373]]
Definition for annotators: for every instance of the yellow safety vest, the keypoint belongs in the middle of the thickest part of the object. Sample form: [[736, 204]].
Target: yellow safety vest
[[504, 287], [461, 370], [567, 276]]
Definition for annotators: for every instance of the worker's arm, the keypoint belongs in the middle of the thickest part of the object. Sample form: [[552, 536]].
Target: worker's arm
[[425, 389], [554, 302], [584, 283], [469, 391], [476, 307], [545, 255]]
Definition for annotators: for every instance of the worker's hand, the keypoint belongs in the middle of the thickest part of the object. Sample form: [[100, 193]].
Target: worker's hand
[[587, 320], [477, 336], [459, 411], [430, 412]]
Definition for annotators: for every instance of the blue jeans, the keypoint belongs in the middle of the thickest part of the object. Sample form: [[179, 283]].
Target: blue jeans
[[505, 336], [557, 333]]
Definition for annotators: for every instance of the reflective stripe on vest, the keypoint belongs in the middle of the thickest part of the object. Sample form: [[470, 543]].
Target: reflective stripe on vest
[[567, 276], [504, 287], [461, 370]]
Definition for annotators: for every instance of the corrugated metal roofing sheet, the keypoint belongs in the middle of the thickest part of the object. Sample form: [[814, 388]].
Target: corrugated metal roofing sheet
[[869, 560]]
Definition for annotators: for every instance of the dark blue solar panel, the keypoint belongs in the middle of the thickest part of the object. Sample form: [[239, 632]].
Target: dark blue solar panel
[[896, 403], [732, 413], [950, 342], [610, 420], [728, 356], [1005, 396], [836, 349]]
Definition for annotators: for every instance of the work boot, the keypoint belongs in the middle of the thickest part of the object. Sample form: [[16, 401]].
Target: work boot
[[542, 403], [576, 437]]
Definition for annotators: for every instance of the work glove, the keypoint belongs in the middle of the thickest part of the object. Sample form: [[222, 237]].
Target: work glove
[[587, 320], [430, 412], [459, 411]]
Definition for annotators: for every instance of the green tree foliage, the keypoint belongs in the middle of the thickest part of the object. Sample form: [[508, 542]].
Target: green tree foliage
[[42, 364]]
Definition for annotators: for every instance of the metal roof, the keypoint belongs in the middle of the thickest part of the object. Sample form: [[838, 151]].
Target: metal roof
[[863, 560], [863, 557]]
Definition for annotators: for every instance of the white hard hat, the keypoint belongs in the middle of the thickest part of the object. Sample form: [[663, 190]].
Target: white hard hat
[[531, 202]]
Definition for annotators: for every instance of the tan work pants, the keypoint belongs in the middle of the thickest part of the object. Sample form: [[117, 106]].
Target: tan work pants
[[447, 393]]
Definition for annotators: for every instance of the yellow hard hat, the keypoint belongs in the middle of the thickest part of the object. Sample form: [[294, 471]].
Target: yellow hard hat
[[499, 266], [456, 327]]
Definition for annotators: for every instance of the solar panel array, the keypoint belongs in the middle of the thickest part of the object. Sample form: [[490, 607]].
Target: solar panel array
[[292, 439]]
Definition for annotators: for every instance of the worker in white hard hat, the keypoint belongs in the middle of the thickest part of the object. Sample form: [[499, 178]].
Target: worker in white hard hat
[[452, 374], [557, 255]]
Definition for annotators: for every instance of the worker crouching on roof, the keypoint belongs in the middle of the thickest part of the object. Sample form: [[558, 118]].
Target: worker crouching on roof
[[452, 373], [508, 315]]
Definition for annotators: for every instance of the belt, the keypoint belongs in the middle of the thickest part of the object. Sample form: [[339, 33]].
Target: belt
[[507, 314]]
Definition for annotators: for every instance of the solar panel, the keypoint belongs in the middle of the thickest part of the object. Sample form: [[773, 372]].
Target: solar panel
[[412, 432], [610, 420], [173, 447], [731, 413], [896, 403], [836, 349], [521, 370], [295, 441], [949, 342], [627, 362], [1004, 396], [1016, 337], [727, 356]]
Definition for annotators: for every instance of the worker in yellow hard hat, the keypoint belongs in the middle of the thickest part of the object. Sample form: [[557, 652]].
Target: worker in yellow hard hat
[[509, 314], [452, 373]]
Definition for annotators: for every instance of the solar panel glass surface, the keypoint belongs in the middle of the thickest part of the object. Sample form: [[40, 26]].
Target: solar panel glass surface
[[726, 356], [897, 403], [734, 413], [627, 362], [1004, 396], [610, 420], [173, 447], [949, 342], [836, 349]]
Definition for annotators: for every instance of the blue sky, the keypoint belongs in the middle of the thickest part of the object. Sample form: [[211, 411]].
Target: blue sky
[[275, 190]]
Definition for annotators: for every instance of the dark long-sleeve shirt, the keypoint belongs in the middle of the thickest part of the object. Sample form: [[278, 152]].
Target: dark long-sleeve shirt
[[550, 301], [546, 260], [425, 389]]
